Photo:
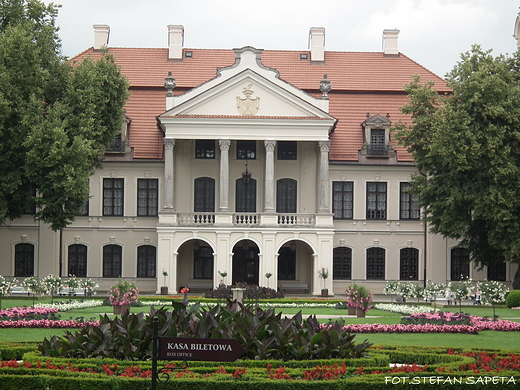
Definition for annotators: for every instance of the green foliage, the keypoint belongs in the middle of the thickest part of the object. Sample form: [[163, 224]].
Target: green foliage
[[252, 292], [263, 334], [55, 119], [467, 148], [513, 299]]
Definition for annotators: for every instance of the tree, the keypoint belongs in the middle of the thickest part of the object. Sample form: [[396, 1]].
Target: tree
[[466, 146], [56, 118]]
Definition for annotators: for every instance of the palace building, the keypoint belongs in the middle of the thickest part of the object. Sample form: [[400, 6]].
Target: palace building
[[250, 165]]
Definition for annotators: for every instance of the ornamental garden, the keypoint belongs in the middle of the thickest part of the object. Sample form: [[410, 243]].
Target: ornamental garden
[[416, 339]]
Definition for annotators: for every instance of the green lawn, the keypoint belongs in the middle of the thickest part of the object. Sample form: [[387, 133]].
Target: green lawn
[[486, 339]]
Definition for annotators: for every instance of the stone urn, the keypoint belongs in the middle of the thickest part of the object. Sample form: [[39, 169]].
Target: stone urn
[[120, 309]]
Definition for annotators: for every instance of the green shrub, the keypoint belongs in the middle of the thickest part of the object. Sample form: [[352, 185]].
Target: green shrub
[[252, 292], [262, 333], [513, 299], [15, 351]]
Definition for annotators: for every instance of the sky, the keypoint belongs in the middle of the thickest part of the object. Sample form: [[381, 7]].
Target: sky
[[432, 32]]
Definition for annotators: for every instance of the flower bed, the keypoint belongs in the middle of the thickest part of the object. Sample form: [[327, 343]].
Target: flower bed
[[404, 309], [47, 324], [71, 305]]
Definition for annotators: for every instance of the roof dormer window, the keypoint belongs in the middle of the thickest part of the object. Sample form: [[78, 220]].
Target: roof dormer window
[[376, 137]]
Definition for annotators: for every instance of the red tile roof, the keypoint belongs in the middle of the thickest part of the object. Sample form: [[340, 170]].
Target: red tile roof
[[362, 82]]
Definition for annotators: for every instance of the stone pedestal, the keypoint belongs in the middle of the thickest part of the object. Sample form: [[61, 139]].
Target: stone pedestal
[[238, 294]]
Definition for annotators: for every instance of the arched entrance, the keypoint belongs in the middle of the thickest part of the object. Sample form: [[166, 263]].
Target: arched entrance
[[245, 263]]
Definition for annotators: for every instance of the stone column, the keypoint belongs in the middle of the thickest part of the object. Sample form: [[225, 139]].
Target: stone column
[[269, 176], [224, 174], [323, 178], [169, 169]]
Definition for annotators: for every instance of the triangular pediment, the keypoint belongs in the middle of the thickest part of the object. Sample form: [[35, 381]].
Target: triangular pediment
[[245, 92]]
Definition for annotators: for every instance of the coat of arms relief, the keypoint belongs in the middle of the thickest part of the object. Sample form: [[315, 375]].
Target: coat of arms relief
[[247, 105]]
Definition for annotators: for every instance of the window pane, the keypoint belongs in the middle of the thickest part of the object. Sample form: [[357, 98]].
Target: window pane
[[24, 260], [113, 197], [342, 263], [343, 196], [409, 264], [286, 196], [409, 203], [204, 195], [147, 204], [287, 150], [459, 264], [376, 263], [146, 261], [205, 148], [246, 150], [112, 261], [78, 260], [376, 201]]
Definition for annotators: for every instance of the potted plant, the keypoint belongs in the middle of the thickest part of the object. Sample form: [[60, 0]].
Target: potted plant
[[324, 274], [164, 287], [364, 302], [122, 294], [352, 298], [359, 300], [268, 275]]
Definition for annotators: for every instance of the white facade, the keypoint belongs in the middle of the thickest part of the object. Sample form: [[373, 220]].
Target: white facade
[[206, 222]]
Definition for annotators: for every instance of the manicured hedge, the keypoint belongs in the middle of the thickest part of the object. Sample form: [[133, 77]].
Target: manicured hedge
[[372, 373], [513, 299]]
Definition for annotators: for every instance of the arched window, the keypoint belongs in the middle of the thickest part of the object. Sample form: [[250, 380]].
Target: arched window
[[146, 261], [24, 260], [459, 264], [112, 261], [496, 270], [409, 264], [77, 260], [245, 196], [376, 263], [286, 196], [342, 263], [205, 195]]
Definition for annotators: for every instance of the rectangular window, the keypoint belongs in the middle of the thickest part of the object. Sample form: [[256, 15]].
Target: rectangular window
[[205, 148], [377, 145], [343, 199], [287, 150], [246, 150], [147, 197], [409, 203], [113, 190], [376, 200]]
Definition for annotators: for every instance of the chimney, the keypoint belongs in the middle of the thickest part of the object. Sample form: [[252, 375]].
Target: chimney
[[317, 42], [390, 42], [175, 42], [101, 35]]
